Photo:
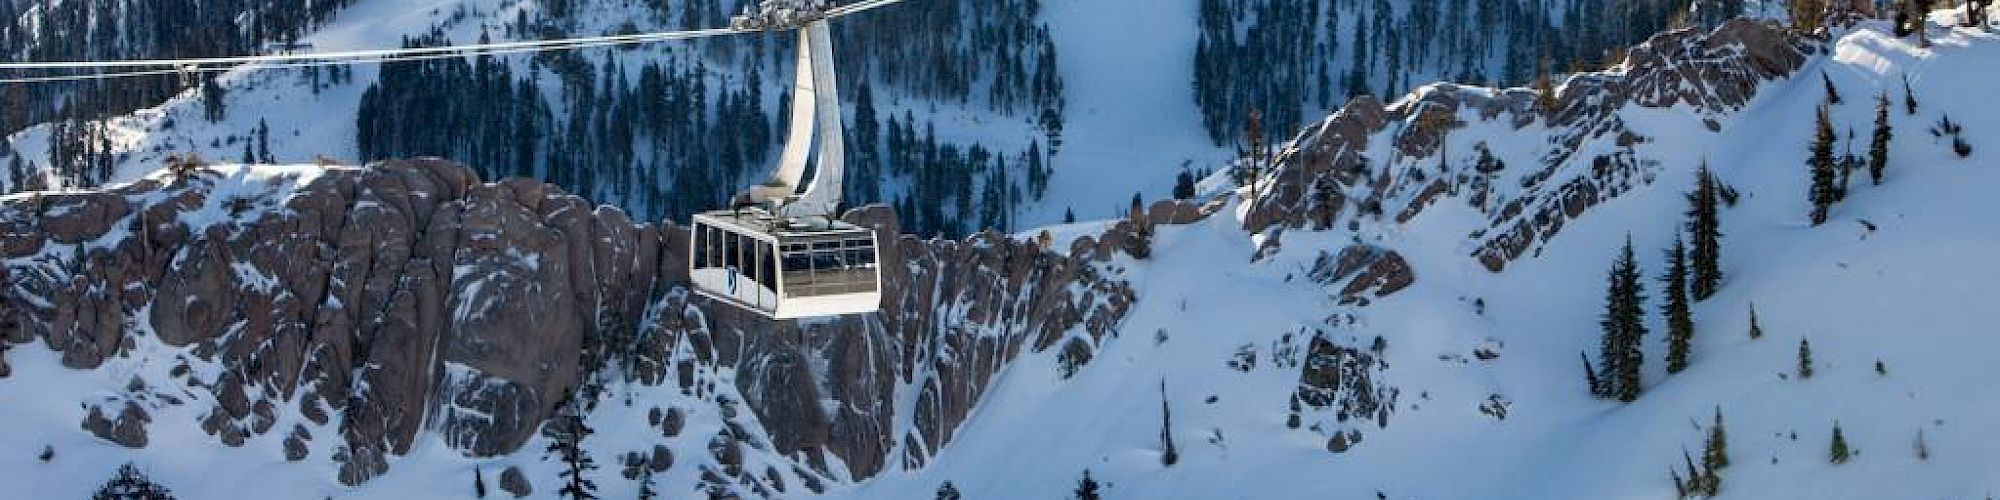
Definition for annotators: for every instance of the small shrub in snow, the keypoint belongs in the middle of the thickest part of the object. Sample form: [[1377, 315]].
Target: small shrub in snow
[[1838, 452]]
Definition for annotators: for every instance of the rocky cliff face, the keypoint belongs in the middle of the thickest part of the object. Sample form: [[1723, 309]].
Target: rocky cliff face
[[1372, 164], [405, 297]]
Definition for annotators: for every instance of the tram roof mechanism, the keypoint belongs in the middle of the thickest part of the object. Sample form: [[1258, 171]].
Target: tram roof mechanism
[[780, 249]]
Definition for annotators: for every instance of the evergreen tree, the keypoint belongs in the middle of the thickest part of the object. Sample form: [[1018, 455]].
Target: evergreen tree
[[1823, 193], [1086, 489], [1184, 185], [1756, 331], [478, 483], [1805, 359], [1169, 456], [1590, 376], [1832, 94], [212, 99], [1545, 90], [131, 484], [1837, 452], [1623, 323], [646, 485], [947, 491], [1878, 146], [1680, 324], [1069, 216], [1705, 227], [1909, 97], [568, 445], [1715, 455]]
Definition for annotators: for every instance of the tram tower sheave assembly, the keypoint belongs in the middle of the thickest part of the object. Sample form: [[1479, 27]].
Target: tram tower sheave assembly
[[781, 250]]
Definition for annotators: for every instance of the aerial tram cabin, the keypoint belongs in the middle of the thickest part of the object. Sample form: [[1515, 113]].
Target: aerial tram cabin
[[780, 251], [784, 268]]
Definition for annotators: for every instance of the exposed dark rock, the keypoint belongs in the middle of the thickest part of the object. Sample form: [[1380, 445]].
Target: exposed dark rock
[[513, 482], [128, 430]]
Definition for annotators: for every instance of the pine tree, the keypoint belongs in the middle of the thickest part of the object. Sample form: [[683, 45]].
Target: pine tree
[[1545, 91], [1837, 452], [1590, 376], [1168, 456], [568, 445], [478, 483], [1805, 359], [1878, 145], [1705, 227], [1832, 94], [1909, 97], [1823, 193], [1069, 216], [948, 491], [1716, 454], [1680, 324], [1623, 323], [131, 484], [1756, 331], [1184, 185], [646, 485], [1697, 479], [1086, 489]]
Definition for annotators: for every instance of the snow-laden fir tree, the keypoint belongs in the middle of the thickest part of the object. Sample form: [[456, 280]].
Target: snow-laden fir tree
[[1680, 321], [1705, 229], [948, 491], [1824, 192], [1624, 323], [1878, 144]]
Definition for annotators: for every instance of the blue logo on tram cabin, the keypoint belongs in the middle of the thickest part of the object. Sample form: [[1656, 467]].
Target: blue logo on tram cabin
[[732, 280]]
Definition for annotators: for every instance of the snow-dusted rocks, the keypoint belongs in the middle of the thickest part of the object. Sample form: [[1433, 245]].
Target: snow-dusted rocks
[[372, 305]]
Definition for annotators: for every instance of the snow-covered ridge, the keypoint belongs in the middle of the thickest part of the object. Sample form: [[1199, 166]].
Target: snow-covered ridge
[[1525, 162]]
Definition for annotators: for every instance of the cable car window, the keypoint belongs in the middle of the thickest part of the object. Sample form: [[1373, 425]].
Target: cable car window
[[717, 241], [826, 263], [767, 267], [826, 245], [731, 252], [700, 246]]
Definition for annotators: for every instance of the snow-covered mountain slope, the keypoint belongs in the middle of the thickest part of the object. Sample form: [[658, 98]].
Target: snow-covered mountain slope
[[1420, 357], [1897, 276]]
